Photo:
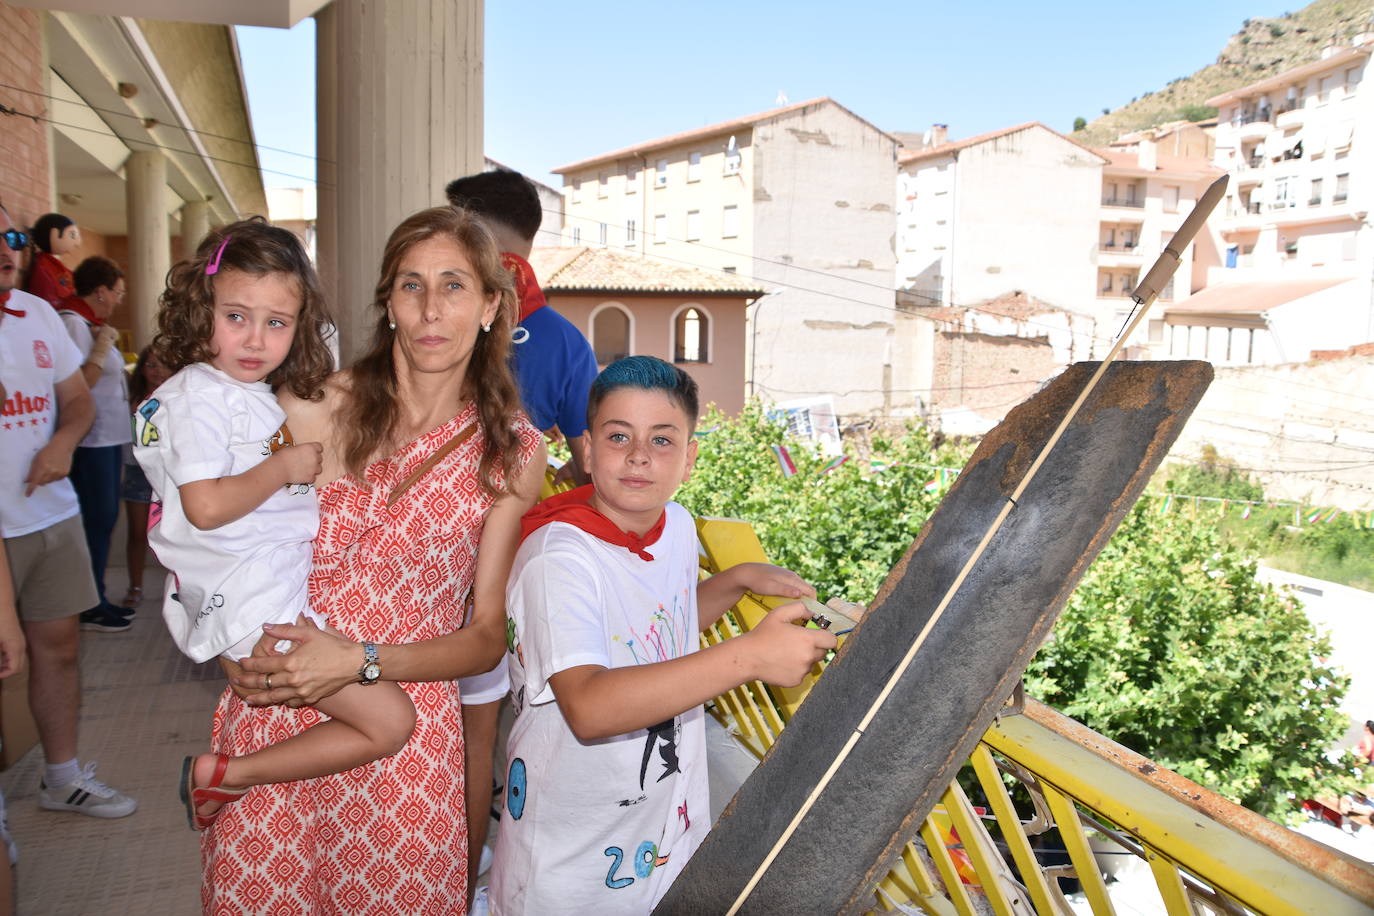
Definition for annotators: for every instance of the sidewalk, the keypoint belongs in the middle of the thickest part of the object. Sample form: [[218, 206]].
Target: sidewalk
[[145, 707]]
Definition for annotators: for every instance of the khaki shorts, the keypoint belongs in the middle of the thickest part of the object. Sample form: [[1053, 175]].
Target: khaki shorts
[[52, 571]]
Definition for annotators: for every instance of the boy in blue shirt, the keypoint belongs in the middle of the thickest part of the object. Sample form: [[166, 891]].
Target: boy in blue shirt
[[606, 795]]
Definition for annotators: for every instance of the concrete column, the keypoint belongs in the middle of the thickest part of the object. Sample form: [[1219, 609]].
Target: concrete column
[[195, 225], [327, 151], [145, 185], [408, 75]]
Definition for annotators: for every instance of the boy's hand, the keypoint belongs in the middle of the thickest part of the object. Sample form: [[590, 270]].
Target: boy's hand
[[767, 579], [301, 462], [781, 652]]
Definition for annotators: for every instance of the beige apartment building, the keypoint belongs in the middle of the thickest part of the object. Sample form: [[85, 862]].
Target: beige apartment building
[[799, 200], [1297, 256], [1146, 195], [1001, 211]]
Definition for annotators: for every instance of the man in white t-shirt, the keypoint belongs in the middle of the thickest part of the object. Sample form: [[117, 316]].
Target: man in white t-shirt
[[606, 791], [46, 410]]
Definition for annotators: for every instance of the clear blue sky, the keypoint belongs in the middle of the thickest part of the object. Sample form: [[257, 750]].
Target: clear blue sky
[[566, 82]]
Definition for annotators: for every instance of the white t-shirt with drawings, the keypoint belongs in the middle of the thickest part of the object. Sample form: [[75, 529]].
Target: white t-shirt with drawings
[[602, 826], [35, 354], [201, 424]]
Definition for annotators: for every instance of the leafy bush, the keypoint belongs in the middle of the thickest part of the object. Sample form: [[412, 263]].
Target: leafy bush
[[1197, 112], [1213, 475], [1079, 123], [841, 531], [1171, 647]]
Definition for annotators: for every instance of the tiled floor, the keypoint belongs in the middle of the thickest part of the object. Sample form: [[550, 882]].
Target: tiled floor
[[145, 707]]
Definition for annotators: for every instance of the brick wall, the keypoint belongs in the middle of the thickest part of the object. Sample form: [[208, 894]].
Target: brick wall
[[25, 182], [986, 373]]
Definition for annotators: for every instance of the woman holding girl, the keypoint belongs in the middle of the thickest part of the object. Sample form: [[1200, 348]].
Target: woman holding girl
[[425, 459], [238, 509]]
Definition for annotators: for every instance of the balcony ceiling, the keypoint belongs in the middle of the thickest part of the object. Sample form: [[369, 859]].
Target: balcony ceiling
[[281, 14]]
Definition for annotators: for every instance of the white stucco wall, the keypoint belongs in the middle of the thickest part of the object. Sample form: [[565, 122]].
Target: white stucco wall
[[1026, 209], [823, 237], [1305, 428]]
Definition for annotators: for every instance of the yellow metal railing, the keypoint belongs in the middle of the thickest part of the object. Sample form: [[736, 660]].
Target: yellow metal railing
[[1204, 854]]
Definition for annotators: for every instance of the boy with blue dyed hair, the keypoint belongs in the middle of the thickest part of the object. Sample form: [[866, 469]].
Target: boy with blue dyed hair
[[606, 792]]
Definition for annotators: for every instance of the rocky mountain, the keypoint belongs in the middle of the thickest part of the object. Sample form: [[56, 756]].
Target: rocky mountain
[[1262, 48]]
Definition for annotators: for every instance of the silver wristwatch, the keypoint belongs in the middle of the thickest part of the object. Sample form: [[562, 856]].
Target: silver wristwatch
[[371, 671]]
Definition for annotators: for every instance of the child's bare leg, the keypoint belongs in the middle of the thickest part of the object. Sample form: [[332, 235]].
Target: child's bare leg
[[366, 724], [479, 740], [136, 542]]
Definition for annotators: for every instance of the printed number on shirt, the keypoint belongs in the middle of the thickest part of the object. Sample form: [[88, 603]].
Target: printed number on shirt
[[646, 859]]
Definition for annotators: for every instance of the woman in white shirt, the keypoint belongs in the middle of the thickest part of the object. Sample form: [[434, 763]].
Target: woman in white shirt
[[97, 461]]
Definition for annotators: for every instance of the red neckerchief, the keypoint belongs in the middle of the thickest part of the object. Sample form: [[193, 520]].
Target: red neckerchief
[[79, 306], [4, 298], [574, 508], [527, 291]]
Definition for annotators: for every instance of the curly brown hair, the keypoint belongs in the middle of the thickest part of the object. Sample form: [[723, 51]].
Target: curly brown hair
[[370, 410], [186, 313]]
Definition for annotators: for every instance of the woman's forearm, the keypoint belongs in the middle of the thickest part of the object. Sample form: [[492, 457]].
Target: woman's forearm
[[462, 653]]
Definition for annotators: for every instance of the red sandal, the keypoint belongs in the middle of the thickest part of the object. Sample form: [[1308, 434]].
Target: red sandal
[[193, 796]]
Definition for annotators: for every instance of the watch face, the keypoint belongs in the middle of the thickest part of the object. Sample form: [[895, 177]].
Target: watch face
[[372, 671]]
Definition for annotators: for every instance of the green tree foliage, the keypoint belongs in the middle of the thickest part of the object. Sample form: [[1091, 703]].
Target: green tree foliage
[[1197, 112], [1171, 647], [841, 531], [1168, 646], [1213, 475], [1080, 123]]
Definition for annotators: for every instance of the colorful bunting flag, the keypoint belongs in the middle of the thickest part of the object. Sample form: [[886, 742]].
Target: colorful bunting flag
[[1313, 515], [784, 460], [836, 462], [933, 486], [1245, 513]]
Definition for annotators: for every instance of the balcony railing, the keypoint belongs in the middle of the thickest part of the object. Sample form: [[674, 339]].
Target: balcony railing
[[1252, 116], [1122, 202], [1204, 853]]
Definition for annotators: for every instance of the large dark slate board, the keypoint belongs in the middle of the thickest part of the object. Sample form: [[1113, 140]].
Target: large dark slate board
[[970, 661]]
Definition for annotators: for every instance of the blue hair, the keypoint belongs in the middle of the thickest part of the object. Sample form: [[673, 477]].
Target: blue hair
[[647, 373]]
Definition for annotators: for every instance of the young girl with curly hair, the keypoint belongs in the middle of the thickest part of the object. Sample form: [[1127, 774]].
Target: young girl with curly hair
[[241, 319]]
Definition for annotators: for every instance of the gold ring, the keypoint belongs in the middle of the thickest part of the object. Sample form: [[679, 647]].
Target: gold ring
[[269, 682]]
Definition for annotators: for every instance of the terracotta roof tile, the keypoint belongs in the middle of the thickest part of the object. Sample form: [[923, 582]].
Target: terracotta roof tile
[[1250, 298], [687, 136], [944, 149], [608, 270], [1119, 161]]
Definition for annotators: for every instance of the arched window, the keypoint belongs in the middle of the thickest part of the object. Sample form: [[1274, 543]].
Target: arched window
[[691, 335], [610, 333]]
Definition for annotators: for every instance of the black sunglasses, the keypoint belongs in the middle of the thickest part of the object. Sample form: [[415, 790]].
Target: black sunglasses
[[17, 240]]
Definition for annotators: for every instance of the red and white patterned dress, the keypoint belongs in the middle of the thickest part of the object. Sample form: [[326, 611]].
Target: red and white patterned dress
[[389, 837]]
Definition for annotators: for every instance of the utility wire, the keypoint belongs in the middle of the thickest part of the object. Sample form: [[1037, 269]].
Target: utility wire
[[148, 143], [180, 127]]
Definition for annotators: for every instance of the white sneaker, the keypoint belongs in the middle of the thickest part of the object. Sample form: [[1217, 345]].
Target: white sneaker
[[479, 903], [87, 795]]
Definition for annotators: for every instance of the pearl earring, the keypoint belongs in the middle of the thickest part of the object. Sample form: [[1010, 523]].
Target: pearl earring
[[487, 326], [391, 324]]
